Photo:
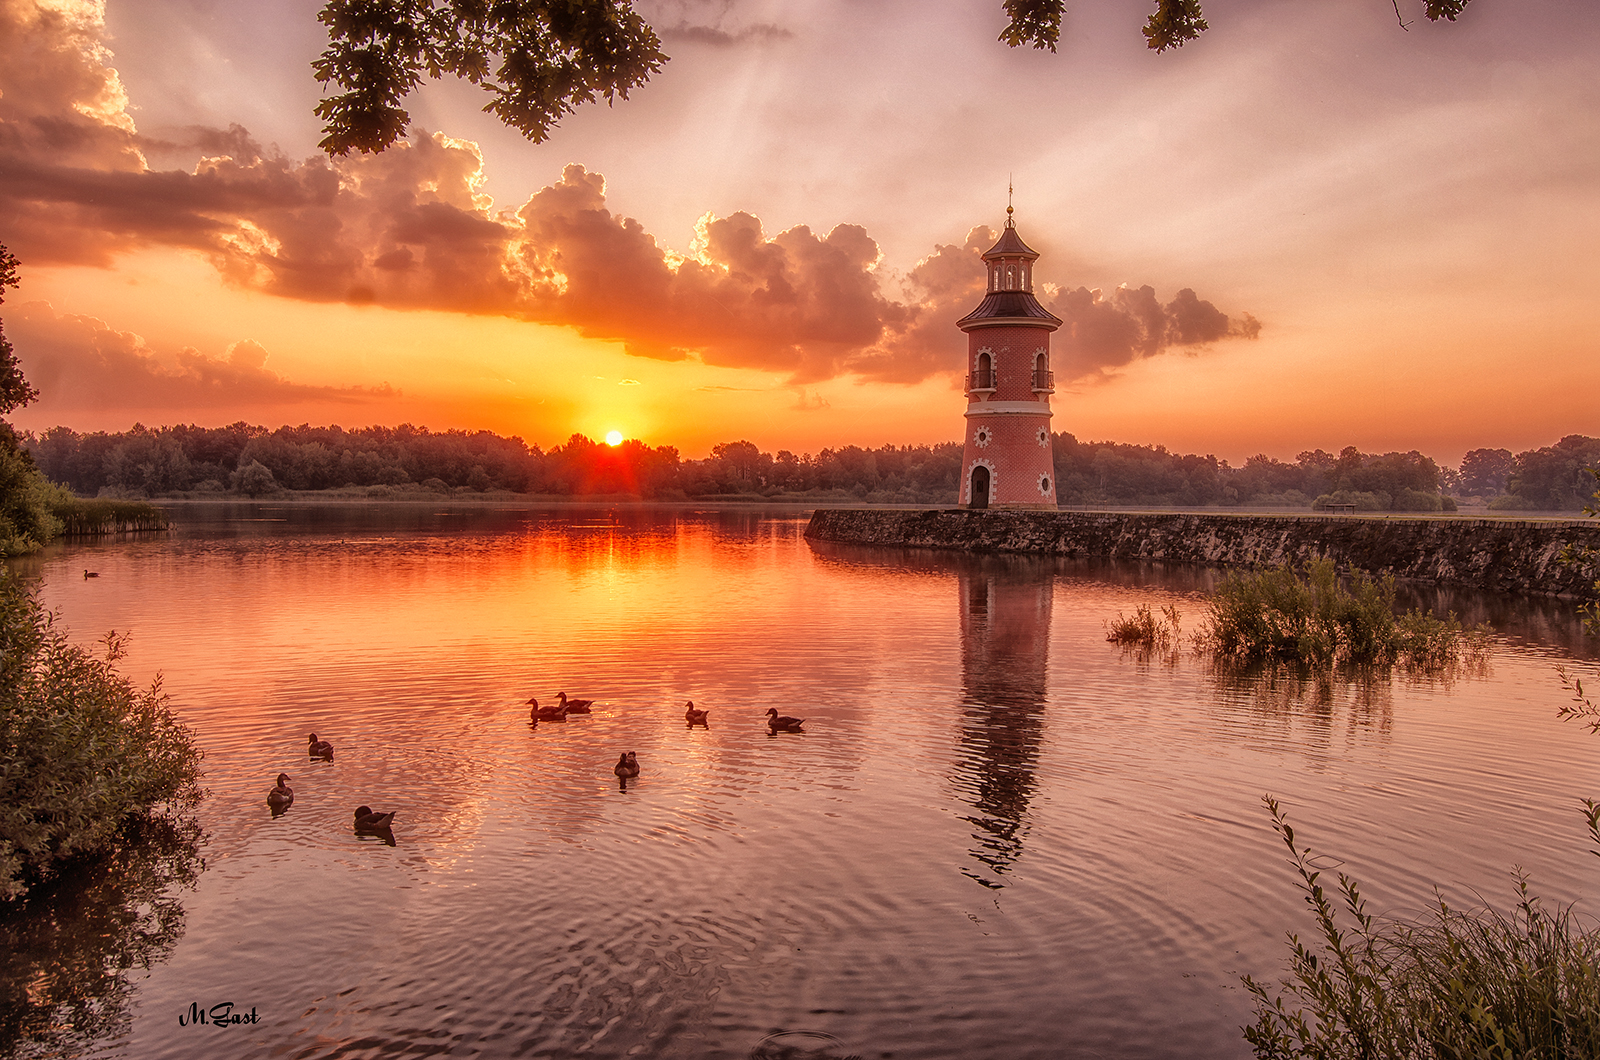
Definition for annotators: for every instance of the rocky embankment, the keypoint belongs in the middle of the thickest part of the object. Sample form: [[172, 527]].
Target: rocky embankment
[[1495, 554]]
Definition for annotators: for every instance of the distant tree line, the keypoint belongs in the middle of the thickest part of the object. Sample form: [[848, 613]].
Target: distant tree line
[[252, 460]]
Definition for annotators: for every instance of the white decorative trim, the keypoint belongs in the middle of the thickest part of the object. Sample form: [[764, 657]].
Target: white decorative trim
[[1010, 322], [966, 480], [1011, 408], [1044, 485], [1044, 437], [983, 436]]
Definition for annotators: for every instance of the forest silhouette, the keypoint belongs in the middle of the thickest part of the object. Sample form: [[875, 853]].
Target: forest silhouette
[[249, 460]]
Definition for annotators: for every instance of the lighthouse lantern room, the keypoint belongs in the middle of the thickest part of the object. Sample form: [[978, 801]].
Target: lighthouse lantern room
[[1008, 460]]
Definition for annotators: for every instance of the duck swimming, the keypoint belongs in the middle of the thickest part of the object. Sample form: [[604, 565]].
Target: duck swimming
[[782, 723], [320, 748], [695, 717], [367, 821], [575, 706], [281, 796], [627, 765], [538, 713], [91, 573]]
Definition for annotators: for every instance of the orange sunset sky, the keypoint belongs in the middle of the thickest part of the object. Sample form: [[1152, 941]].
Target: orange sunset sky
[[1309, 228]]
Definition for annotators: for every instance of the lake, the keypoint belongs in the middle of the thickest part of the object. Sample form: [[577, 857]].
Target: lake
[[998, 835]]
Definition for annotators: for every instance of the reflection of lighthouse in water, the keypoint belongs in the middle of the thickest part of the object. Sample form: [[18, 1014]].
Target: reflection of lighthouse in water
[[1005, 649]]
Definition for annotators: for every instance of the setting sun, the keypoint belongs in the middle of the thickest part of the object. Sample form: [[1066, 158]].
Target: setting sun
[[614, 438]]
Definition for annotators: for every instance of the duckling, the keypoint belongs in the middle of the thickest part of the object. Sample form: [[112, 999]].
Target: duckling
[[575, 706], [90, 573], [627, 765], [782, 723], [538, 713], [281, 796], [695, 717], [319, 748], [367, 821]]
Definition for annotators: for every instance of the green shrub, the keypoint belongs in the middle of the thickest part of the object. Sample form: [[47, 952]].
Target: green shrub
[[1453, 986], [27, 499], [82, 751], [1410, 500], [1280, 614]]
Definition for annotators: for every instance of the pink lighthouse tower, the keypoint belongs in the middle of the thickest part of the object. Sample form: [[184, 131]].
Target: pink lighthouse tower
[[1008, 461]]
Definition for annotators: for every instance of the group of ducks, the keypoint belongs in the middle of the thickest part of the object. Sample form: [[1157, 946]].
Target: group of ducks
[[281, 797], [559, 712], [367, 822], [691, 714]]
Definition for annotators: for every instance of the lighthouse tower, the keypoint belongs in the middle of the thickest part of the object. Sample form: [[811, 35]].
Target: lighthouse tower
[[1008, 461]]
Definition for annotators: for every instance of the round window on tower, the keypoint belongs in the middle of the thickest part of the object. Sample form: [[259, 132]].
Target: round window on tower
[[1044, 485], [1044, 438], [982, 438]]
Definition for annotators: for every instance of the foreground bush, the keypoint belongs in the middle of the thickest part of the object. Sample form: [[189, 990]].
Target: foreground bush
[[1282, 614], [83, 753], [28, 501], [1452, 987]]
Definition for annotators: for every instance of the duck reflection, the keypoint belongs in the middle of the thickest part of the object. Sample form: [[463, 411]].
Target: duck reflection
[[1005, 649]]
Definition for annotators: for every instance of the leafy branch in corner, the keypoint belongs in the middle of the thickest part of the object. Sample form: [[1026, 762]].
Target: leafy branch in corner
[[540, 59], [547, 57], [1174, 22]]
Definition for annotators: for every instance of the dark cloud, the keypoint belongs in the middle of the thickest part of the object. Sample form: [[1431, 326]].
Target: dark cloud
[[762, 33], [1100, 333], [79, 363], [410, 229]]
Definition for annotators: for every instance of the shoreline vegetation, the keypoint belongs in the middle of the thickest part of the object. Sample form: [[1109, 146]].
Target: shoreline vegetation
[[1309, 617], [386, 462]]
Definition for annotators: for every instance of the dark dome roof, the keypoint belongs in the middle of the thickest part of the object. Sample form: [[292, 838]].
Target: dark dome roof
[[1010, 244], [1009, 305]]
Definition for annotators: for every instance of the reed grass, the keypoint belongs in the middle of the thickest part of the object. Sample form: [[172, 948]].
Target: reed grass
[[1479, 985], [1312, 616], [92, 518], [1146, 629]]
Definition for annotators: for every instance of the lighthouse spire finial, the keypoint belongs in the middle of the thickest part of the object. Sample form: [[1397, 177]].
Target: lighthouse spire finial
[[1009, 190]]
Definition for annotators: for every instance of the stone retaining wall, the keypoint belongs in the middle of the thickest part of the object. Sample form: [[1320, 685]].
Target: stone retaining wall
[[1500, 555]]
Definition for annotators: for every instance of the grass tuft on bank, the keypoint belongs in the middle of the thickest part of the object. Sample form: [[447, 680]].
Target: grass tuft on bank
[[1455, 985], [84, 754]]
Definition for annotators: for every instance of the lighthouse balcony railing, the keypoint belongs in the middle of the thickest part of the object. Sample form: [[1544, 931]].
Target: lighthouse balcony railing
[[1044, 382], [983, 379]]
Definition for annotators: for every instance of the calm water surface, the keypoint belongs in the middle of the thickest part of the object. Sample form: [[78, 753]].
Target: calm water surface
[[998, 836]]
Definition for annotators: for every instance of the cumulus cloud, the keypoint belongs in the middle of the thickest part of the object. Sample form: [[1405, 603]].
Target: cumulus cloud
[[1102, 332], [412, 229], [79, 363]]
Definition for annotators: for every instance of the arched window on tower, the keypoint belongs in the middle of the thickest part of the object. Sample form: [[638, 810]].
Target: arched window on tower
[[983, 375], [1043, 378], [1011, 277]]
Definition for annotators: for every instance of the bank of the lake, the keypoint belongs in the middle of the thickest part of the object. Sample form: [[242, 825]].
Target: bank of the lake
[[1496, 555]]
